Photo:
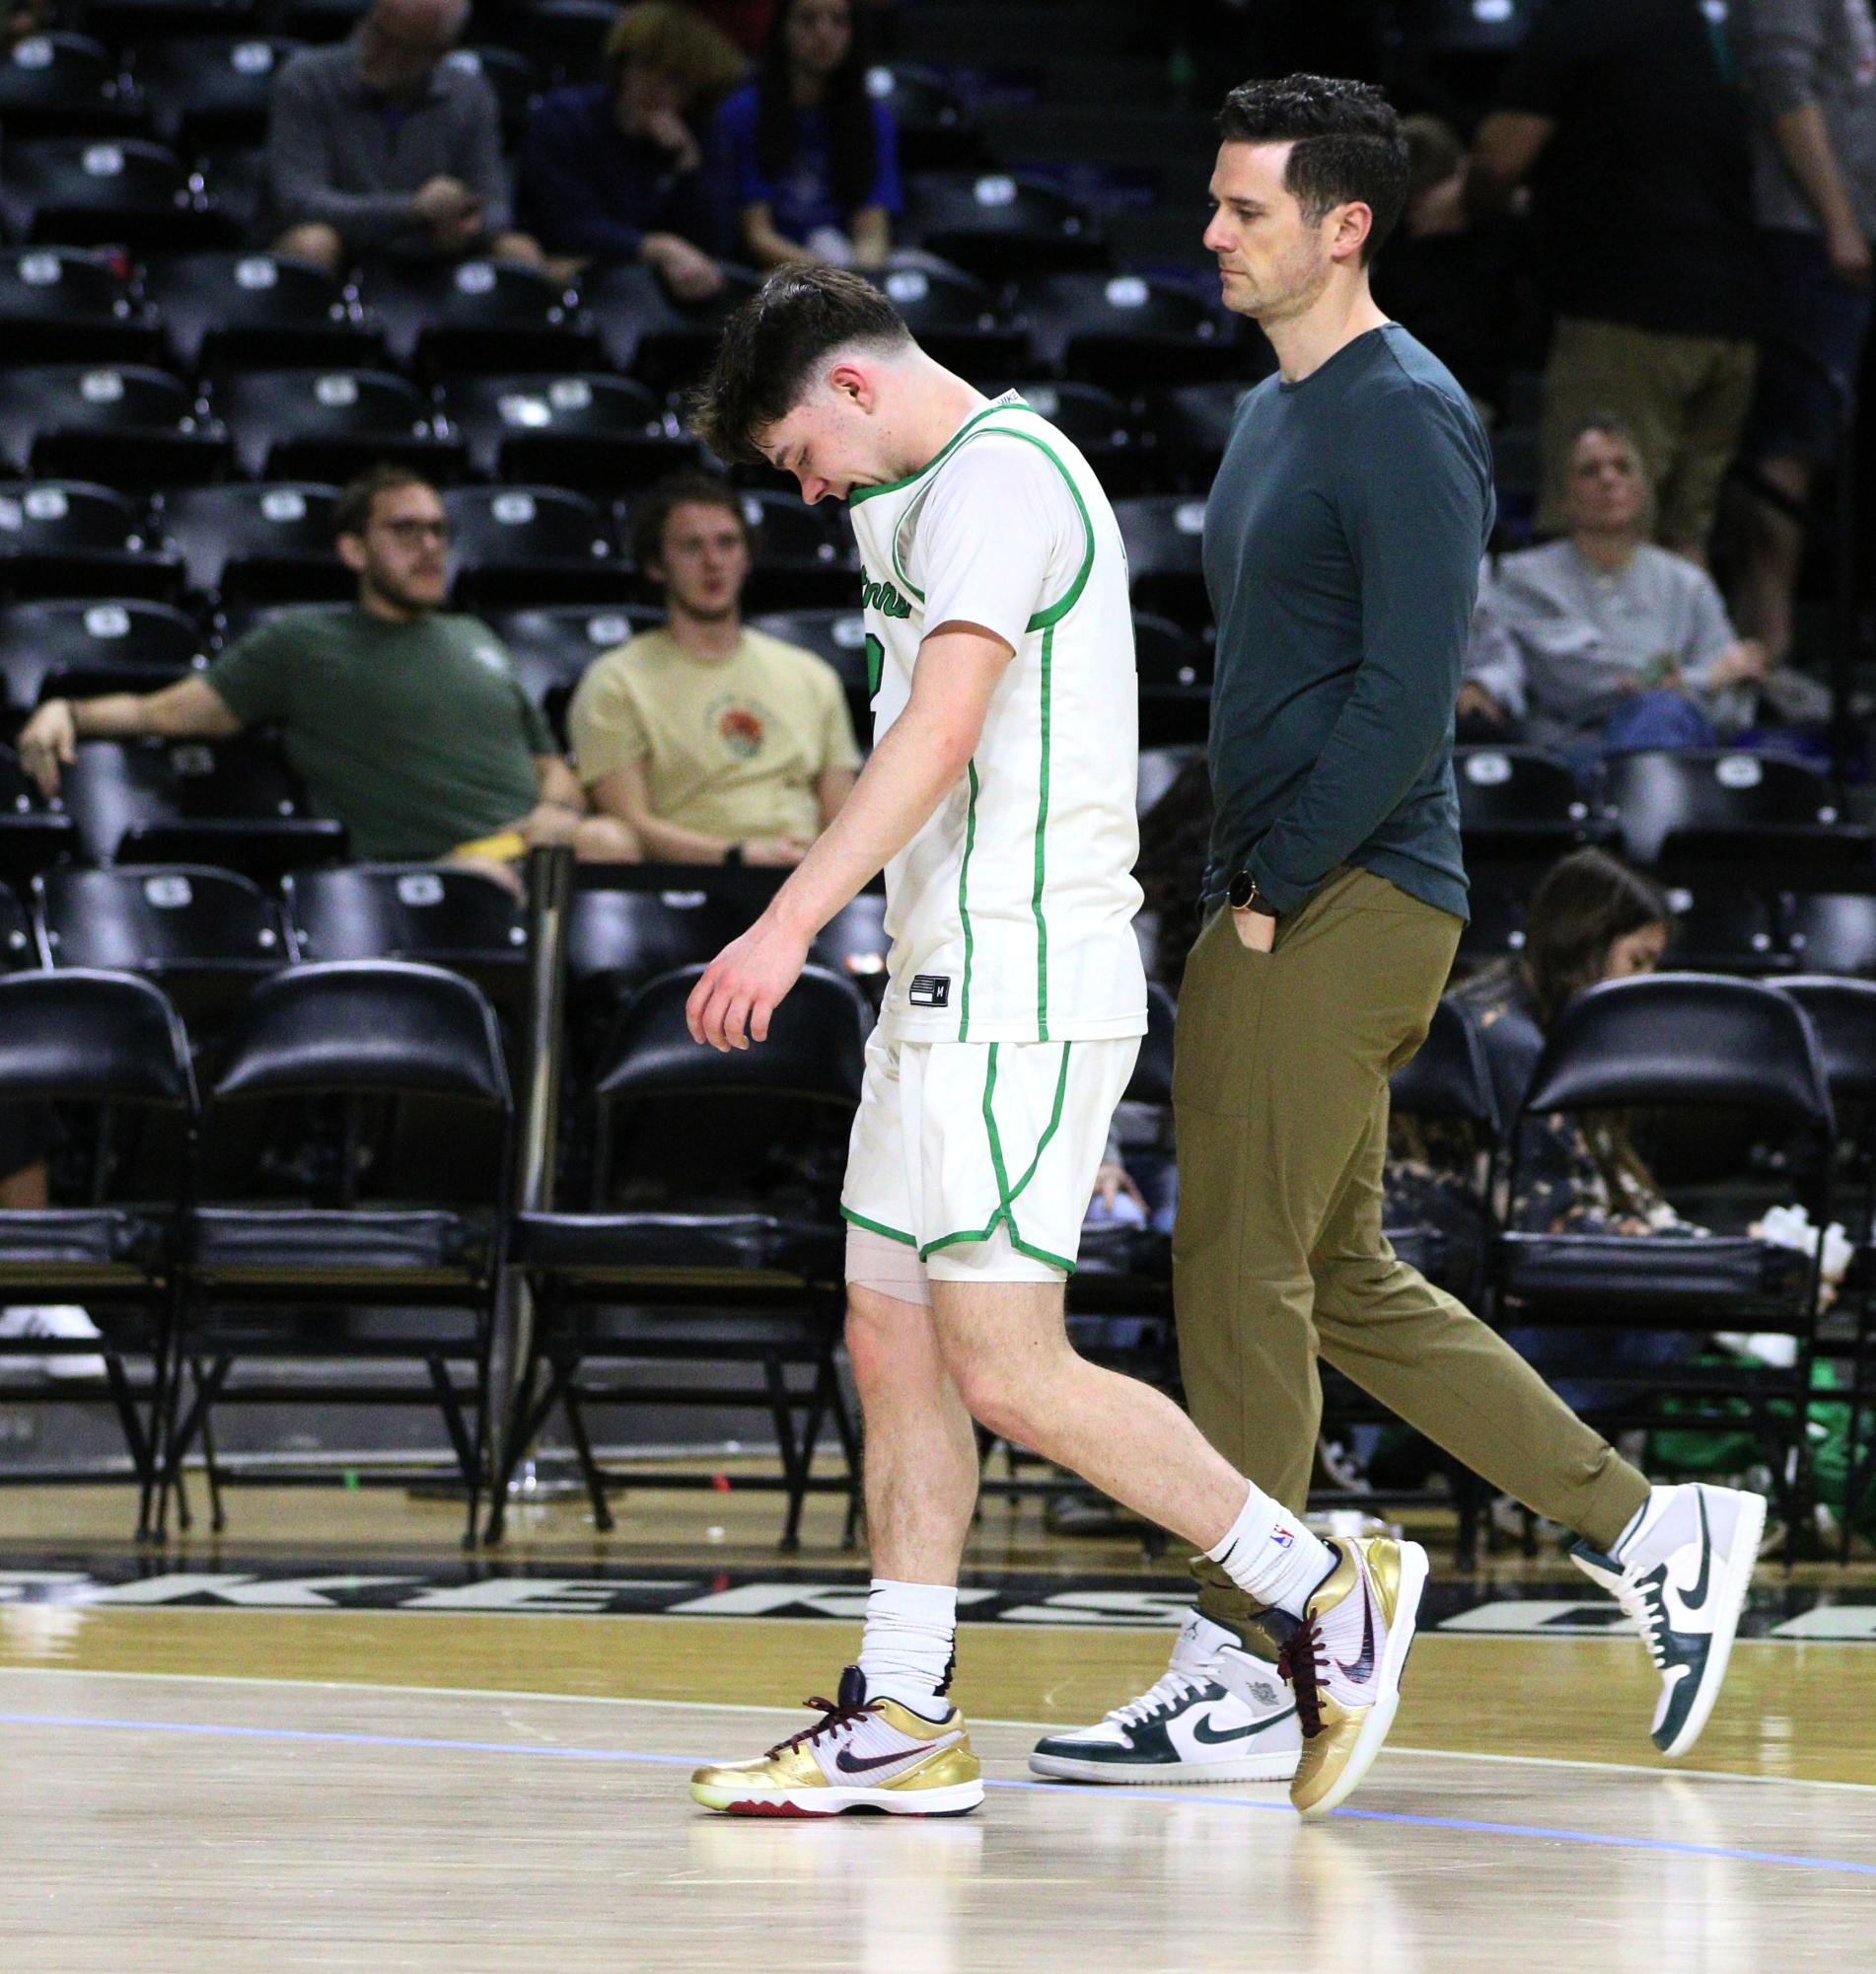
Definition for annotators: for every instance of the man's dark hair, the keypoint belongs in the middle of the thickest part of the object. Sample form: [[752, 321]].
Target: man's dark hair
[[770, 347], [1347, 142], [351, 511], [654, 508]]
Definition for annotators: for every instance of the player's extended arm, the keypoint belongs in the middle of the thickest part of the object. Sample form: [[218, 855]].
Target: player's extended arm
[[916, 764]]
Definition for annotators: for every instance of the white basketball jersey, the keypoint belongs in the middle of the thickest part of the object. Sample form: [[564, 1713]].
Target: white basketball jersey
[[1011, 911]]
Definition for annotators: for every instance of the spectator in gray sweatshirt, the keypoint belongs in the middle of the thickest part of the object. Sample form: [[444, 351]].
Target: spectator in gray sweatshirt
[[1812, 69], [381, 147], [1601, 642]]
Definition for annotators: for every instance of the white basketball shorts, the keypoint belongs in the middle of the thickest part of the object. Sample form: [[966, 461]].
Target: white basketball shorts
[[980, 1158]]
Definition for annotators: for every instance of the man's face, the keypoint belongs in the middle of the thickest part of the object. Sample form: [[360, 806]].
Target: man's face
[[1606, 488], [705, 560], [1271, 262], [827, 441], [404, 554], [819, 34]]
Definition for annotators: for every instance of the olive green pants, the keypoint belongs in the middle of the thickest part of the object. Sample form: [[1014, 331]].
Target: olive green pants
[[1280, 1092]]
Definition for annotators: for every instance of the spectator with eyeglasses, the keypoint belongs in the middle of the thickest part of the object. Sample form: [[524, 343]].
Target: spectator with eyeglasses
[[406, 721]]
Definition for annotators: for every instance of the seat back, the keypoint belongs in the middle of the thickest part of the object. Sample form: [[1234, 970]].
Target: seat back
[[503, 527], [551, 648], [142, 919], [118, 635], [93, 1037], [618, 938], [1448, 1075], [1696, 1040], [1518, 788], [1661, 792], [17, 947], [814, 1050], [1843, 1018], [117, 791], [1833, 932], [273, 539], [233, 307], [364, 1027], [1152, 1078], [210, 89], [403, 911], [64, 85], [313, 423]]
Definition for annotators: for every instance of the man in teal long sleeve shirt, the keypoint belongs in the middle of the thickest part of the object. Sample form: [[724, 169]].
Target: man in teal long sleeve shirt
[[1343, 541]]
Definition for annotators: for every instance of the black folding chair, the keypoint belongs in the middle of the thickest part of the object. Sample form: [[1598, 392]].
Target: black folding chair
[[386, 1240], [1717, 1048], [748, 1273], [110, 1050]]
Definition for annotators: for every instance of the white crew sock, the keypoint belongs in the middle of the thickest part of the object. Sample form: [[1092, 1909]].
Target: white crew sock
[[911, 1630], [1270, 1555]]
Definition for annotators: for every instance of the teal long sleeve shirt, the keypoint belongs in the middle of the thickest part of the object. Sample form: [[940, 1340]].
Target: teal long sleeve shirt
[[1341, 549]]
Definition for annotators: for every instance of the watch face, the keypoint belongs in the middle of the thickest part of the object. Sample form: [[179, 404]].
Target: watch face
[[1241, 890]]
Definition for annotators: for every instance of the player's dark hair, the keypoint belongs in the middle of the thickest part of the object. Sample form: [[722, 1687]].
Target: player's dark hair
[[852, 145], [652, 511], [770, 347], [351, 511], [1349, 146], [1586, 902]]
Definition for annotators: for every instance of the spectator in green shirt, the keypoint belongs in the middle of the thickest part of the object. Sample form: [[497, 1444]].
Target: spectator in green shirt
[[405, 722]]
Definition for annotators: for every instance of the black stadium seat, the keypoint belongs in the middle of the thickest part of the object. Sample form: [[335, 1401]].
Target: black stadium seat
[[1101, 429], [1174, 671], [838, 635], [936, 130], [392, 1235], [18, 949], [133, 426], [712, 1272], [203, 935], [445, 917], [234, 804], [119, 637], [136, 22], [259, 542], [1720, 930], [805, 557], [83, 191], [34, 835], [74, 537], [63, 304], [955, 318], [592, 431], [332, 424], [1729, 808], [1124, 332], [515, 78], [259, 311], [479, 315], [526, 543], [665, 343], [60, 85], [1162, 533], [112, 1053], [1833, 932], [619, 937], [996, 225], [552, 647], [209, 89], [1521, 808]]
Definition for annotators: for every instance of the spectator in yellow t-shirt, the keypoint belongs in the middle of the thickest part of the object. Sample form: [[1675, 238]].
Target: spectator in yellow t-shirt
[[710, 742]]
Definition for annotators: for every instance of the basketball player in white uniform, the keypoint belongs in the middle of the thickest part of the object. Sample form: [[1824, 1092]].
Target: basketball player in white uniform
[[999, 802]]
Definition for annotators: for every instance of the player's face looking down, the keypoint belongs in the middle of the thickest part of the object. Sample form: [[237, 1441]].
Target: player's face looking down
[[1273, 261], [833, 439]]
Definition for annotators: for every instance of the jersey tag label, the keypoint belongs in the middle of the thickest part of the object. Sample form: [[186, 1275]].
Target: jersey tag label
[[930, 991]]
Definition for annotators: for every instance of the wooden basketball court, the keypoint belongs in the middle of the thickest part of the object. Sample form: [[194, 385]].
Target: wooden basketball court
[[215, 1760]]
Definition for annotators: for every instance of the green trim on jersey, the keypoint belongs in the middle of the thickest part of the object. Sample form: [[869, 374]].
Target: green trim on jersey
[[1043, 618], [1007, 1197], [964, 915], [875, 1227], [1042, 839], [860, 493]]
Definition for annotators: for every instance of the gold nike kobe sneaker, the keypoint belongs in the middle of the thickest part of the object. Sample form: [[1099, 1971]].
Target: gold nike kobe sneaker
[[1344, 1661], [861, 1754]]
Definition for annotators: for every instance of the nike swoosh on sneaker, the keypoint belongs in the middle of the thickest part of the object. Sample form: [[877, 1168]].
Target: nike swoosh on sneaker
[[1696, 1599], [1363, 1667], [852, 1764], [1204, 1733]]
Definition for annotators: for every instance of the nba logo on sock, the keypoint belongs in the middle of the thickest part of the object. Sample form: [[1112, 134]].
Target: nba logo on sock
[[1282, 1538]]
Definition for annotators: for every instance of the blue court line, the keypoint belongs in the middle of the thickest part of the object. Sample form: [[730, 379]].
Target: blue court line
[[326, 1737]]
